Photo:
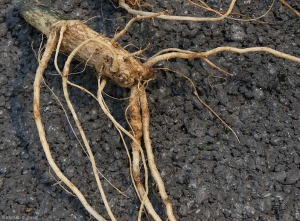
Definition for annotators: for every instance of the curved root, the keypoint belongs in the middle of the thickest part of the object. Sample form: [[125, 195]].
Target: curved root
[[151, 161], [188, 54], [51, 42], [125, 6], [137, 127]]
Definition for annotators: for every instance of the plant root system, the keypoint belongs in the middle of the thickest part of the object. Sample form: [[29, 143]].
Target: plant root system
[[112, 62]]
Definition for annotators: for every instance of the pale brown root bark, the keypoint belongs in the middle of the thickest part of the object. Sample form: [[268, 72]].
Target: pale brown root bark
[[51, 43], [125, 6], [150, 156], [115, 63], [107, 58], [137, 127]]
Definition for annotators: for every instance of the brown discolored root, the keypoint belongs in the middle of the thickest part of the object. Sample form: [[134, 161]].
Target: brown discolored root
[[151, 160], [137, 130]]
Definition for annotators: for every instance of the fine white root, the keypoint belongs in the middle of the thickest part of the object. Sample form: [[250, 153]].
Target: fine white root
[[51, 43], [151, 160], [125, 6], [170, 50], [137, 18]]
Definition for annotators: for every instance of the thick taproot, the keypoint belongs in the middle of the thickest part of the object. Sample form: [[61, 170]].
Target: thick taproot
[[129, 71]]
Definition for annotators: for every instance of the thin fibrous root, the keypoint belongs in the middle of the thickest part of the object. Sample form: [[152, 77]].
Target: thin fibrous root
[[290, 7], [51, 43], [134, 54], [188, 55], [73, 131], [137, 18], [125, 6], [151, 161], [202, 102], [216, 67], [204, 6]]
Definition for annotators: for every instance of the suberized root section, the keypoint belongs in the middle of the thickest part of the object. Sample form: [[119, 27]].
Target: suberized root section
[[137, 129]]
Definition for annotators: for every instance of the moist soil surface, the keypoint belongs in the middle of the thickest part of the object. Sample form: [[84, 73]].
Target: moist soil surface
[[208, 174]]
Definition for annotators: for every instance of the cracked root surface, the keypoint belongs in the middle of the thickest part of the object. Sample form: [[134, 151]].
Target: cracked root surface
[[207, 174]]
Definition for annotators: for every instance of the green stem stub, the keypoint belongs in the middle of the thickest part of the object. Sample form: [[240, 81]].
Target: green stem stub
[[39, 16]]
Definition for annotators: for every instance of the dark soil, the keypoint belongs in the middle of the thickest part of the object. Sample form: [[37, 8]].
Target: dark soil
[[208, 174]]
